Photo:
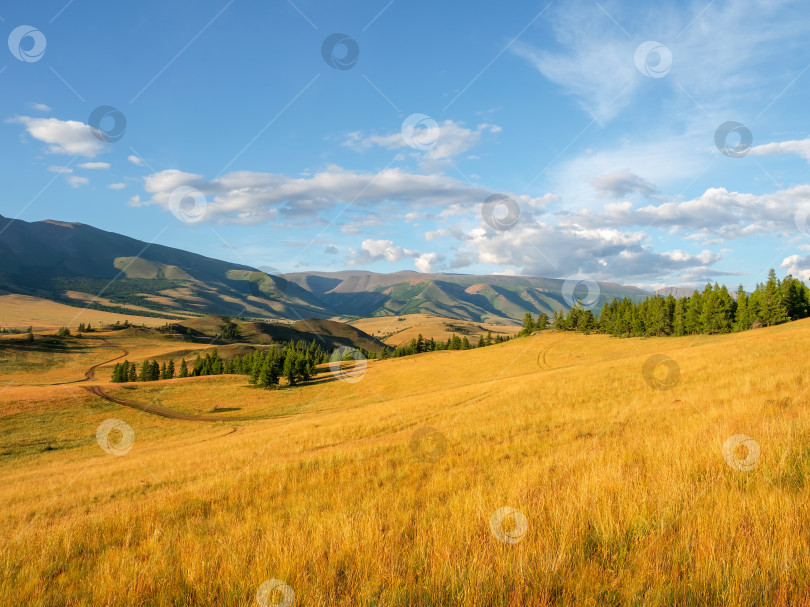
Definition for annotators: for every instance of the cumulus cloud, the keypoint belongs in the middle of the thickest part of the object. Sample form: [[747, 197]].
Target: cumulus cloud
[[117, 186], [135, 160], [62, 136], [41, 107], [716, 212], [541, 249], [379, 250], [95, 165], [250, 197], [798, 266], [426, 262], [620, 185], [451, 139], [372, 251]]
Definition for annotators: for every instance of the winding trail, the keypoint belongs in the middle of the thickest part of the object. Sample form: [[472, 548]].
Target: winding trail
[[164, 412], [90, 374]]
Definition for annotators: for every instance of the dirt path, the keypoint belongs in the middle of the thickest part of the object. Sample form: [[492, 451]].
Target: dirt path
[[91, 372], [164, 412]]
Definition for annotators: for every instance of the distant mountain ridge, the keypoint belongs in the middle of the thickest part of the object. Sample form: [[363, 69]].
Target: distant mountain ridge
[[76, 263], [677, 292], [489, 298]]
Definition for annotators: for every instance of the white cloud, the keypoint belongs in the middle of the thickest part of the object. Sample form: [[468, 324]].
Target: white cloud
[[451, 139], [798, 266], [135, 160], [95, 165], [251, 198], [540, 249], [800, 147], [379, 250], [117, 186], [372, 251], [426, 261], [63, 136], [75, 181], [41, 107], [716, 212]]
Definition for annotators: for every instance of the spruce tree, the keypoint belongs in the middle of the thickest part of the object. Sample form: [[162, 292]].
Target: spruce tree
[[773, 307]]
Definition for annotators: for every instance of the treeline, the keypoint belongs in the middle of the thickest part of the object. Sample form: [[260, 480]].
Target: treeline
[[295, 361], [710, 311], [420, 345]]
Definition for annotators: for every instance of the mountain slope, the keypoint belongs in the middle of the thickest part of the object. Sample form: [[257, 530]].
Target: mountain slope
[[492, 298], [82, 265], [73, 262]]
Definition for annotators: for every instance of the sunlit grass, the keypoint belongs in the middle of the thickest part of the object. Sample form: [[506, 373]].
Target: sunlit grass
[[624, 487]]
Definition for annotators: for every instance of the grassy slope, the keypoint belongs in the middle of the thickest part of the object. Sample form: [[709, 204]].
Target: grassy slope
[[394, 332], [22, 311], [627, 495]]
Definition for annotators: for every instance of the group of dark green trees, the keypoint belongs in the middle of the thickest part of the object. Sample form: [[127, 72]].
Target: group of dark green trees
[[713, 310], [295, 361], [420, 345]]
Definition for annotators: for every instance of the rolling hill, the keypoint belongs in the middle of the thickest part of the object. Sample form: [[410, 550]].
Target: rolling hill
[[80, 265], [328, 333], [493, 298]]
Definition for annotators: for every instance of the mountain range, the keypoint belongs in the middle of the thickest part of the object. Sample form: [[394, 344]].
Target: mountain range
[[81, 265]]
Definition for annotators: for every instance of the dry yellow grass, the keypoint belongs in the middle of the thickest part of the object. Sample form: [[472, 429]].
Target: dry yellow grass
[[22, 311], [625, 491], [395, 332]]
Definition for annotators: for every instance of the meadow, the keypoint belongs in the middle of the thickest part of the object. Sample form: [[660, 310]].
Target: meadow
[[558, 468]]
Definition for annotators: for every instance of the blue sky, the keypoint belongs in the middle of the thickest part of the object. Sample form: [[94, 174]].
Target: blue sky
[[247, 138]]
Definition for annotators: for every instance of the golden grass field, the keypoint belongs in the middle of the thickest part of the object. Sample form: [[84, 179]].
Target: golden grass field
[[22, 311], [622, 491], [395, 332]]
